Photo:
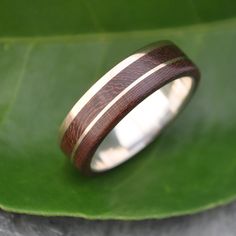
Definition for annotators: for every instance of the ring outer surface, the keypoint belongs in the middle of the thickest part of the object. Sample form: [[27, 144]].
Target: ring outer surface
[[154, 55]]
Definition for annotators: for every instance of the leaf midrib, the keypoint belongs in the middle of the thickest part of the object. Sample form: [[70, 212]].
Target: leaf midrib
[[19, 81]]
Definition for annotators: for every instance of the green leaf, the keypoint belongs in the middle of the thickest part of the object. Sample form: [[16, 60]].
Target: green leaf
[[52, 52]]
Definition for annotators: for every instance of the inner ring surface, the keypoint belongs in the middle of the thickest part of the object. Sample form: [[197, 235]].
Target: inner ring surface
[[141, 125]]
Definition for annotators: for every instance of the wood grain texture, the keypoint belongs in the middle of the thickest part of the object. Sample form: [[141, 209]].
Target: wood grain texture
[[113, 88], [124, 105]]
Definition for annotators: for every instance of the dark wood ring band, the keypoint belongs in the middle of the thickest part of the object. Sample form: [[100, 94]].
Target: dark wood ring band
[[80, 142]]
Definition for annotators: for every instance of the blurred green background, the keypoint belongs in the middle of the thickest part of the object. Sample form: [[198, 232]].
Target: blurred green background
[[58, 17]]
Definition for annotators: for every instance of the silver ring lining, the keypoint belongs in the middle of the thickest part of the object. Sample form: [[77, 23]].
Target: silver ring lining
[[138, 128]]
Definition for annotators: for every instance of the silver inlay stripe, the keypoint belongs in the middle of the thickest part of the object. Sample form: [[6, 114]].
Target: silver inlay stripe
[[120, 95], [99, 84]]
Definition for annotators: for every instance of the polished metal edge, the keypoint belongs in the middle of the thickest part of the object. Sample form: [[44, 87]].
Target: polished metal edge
[[119, 96], [104, 80]]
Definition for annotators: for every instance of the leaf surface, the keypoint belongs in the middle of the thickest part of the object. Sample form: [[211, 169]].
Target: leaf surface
[[51, 54]]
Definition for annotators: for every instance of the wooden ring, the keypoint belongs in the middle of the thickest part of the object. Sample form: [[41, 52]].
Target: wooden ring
[[128, 107]]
